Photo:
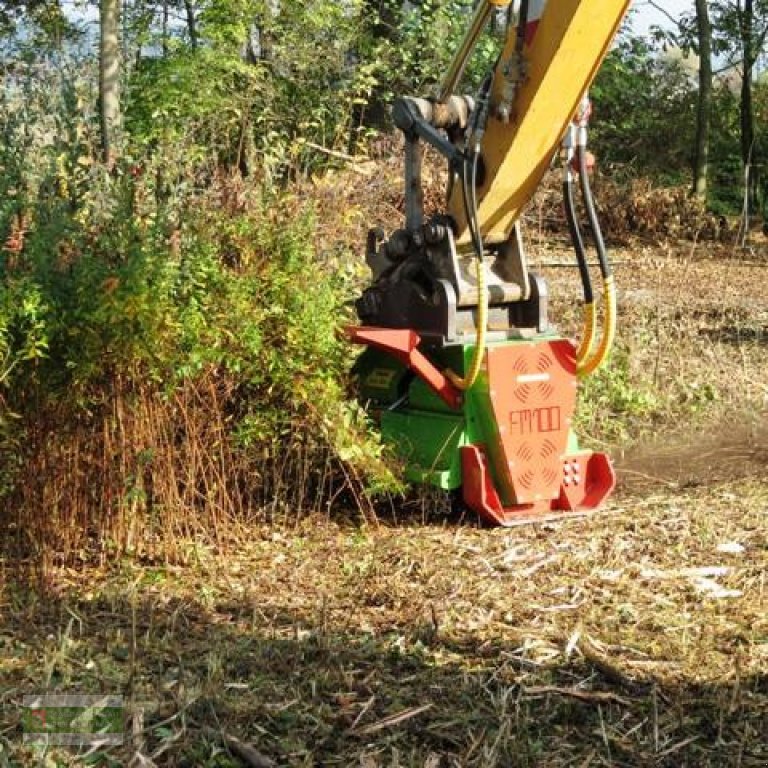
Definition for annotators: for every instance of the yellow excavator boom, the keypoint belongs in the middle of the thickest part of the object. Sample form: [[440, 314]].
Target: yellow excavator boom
[[537, 85]]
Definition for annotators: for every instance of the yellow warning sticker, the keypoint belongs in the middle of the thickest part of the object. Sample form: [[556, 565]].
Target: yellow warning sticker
[[380, 378]]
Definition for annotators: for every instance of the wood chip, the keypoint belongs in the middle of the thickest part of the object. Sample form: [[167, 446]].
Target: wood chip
[[393, 720], [592, 697]]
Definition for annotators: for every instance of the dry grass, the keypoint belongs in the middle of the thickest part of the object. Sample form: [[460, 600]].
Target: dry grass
[[145, 471], [638, 637]]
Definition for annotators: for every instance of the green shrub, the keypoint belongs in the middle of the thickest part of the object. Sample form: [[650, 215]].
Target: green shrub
[[618, 401], [169, 356]]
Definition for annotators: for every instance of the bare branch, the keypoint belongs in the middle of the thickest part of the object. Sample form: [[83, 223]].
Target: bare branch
[[662, 10]]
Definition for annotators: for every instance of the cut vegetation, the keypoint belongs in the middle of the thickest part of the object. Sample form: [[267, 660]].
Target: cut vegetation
[[196, 514]]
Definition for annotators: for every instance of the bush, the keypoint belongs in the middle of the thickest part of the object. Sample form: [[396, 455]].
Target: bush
[[639, 207], [630, 207], [170, 362]]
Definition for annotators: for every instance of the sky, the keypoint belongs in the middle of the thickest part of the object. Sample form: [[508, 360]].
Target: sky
[[646, 15]]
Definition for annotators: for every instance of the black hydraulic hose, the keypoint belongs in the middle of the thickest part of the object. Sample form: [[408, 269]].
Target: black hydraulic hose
[[594, 222], [587, 365], [470, 213], [469, 180], [471, 160], [577, 239], [473, 203]]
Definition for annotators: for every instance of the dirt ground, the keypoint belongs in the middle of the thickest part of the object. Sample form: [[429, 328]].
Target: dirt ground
[[637, 636]]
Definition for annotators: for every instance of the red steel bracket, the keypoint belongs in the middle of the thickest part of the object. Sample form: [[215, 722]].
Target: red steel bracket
[[588, 479], [403, 346]]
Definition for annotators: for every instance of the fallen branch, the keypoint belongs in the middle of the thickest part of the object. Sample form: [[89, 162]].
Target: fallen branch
[[593, 697], [335, 153], [368, 704], [677, 747], [609, 670], [245, 752], [392, 720]]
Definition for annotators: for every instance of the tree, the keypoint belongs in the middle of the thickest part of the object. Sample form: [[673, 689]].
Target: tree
[[11, 11], [189, 9], [704, 100], [743, 27], [694, 33], [644, 100], [41, 17], [109, 78]]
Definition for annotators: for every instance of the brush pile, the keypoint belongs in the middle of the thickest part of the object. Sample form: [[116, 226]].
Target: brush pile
[[370, 192]]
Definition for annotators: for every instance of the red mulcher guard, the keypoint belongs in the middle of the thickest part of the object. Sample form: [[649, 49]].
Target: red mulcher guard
[[532, 395]]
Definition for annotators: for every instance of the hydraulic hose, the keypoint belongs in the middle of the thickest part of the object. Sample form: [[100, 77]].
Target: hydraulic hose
[[592, 363], [590, 312], [471, 160], [464, 383], [470, 204], [588, 367], [470, 195]]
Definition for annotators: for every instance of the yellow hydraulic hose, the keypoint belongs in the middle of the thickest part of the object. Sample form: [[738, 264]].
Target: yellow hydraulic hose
[[482, 326], [588, 334], [588, 367]]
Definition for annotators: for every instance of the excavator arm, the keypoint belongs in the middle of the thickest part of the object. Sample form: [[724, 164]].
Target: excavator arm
[[468, 379], [498, 144], [547, 64]]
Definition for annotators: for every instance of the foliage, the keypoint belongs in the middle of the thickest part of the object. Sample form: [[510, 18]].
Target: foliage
[[738, 35], [43, 19], [414, 57], [727, 174], [615, 396], [644, 102], [740, 25], [132, 288], [644, 119], [255, 94]]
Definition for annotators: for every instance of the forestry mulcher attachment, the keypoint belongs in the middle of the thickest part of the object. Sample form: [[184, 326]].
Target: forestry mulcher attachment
[[467, 378]]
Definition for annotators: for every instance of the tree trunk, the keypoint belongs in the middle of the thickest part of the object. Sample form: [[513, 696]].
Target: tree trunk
[[704, 101], [109, 78], [165, 29], [191, 23], [747, 117]]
